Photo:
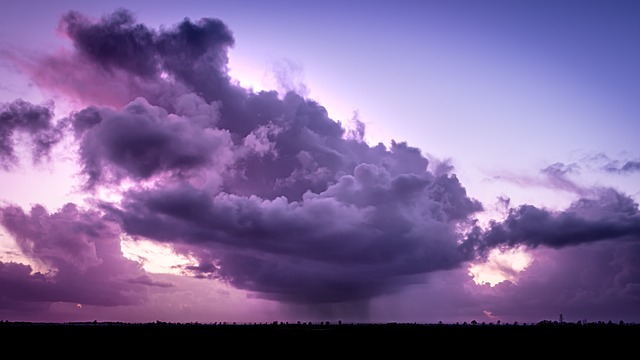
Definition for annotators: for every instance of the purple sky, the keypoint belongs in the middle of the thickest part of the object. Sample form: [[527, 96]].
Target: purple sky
[[237, 161]]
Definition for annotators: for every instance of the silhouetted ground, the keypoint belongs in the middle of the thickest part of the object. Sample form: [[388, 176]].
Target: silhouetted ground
[[517, 340]]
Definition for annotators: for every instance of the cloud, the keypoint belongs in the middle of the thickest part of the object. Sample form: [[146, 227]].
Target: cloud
[[627, 167], [114, 42], [364, 236], [264, 189], [598, 281], [555, 176], [141, 141], [80, 251], [146, 280], [608, 216], [35, 121], [599, 162]]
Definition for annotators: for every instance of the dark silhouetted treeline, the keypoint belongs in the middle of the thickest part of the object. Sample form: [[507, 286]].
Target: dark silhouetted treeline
[[323, 339], [161, 329]]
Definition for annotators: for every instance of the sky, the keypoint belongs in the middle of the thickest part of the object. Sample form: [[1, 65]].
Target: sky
[[245, 161]]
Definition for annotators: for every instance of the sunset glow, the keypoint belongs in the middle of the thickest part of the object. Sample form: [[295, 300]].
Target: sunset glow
[[156, 258], [334, 161], [501, 265]]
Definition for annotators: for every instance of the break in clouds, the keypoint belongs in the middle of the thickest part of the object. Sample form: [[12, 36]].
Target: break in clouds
[[264, 189]]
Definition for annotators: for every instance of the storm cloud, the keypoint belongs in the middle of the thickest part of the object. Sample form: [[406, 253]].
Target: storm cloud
[[363, 236], [264, 189]]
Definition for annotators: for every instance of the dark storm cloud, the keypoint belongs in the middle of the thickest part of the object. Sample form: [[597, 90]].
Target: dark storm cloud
[[609, 216], [35, 121], [264, 189], [364, 236], [81, 252]]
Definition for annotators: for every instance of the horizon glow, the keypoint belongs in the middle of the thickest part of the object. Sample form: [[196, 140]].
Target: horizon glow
[[407, 163]]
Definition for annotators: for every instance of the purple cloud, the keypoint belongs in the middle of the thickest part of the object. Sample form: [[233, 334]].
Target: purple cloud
[[555, 176], [265, 190], [365, 235], [141, 141], [115, 42], [302, 211], [628, 167], [610, 216], [35, 121], [80, 248], [599, 281]]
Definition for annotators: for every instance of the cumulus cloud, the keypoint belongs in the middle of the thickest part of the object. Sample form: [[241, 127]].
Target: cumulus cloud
[[357, 239], [264, 189], [141, 141], [296, 208]]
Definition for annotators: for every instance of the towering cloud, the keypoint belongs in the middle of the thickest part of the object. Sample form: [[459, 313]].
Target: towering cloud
[[264, 189]]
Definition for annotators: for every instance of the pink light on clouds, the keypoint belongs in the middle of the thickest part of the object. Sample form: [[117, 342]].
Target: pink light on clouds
[[82, 82], [263, 204]]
